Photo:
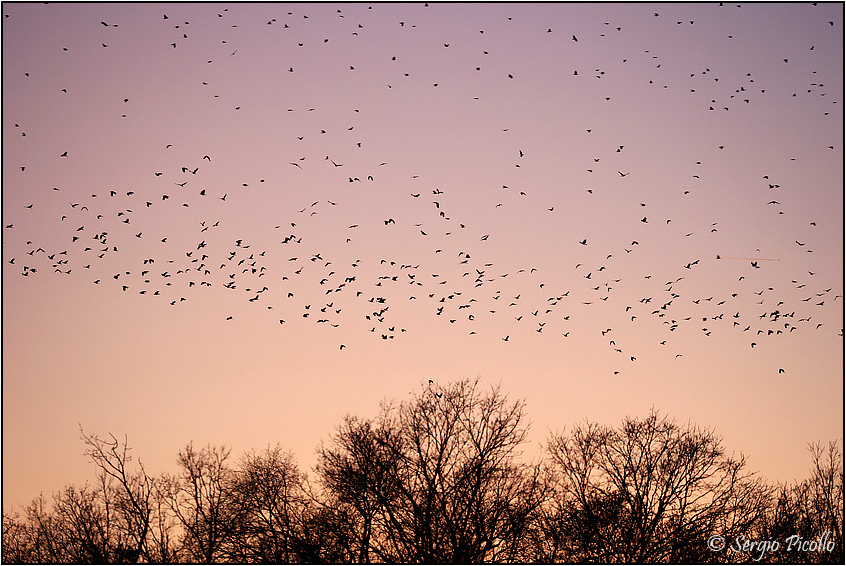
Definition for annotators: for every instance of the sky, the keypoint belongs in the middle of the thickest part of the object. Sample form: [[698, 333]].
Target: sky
[[236, 223]]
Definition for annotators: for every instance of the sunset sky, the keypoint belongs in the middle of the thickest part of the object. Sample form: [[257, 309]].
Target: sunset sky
[[236, 223]]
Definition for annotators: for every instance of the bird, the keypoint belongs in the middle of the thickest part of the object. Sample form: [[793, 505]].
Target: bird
[[239, 272]]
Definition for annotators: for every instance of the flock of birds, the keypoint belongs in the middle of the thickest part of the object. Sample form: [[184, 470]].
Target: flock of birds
[[450, 267]]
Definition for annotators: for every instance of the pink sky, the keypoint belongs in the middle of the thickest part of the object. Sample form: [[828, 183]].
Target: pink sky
[[517, 156]]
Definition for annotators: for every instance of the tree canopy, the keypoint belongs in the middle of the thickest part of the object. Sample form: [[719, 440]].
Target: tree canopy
[[441, 477]]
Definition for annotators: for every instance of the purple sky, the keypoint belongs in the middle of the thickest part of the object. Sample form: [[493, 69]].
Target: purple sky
[[416, 183]]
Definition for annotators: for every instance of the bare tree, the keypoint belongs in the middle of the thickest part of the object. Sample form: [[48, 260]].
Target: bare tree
[[270, 493], [358, 474], [650, 491], [436, 479], [202, 499], [87, 524], [806, 517], [161, 546], [825, 509], [328, 534], [107, 522], [18, 540], [131, 494], [33, 537], [80, 527]]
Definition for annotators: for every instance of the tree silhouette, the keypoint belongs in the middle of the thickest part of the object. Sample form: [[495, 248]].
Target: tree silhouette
[[269, 489], [808, 510], [650, 491], [441, 477], [79, 528], [435, 479], [202, 500], [358, 478], [130, 494]]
